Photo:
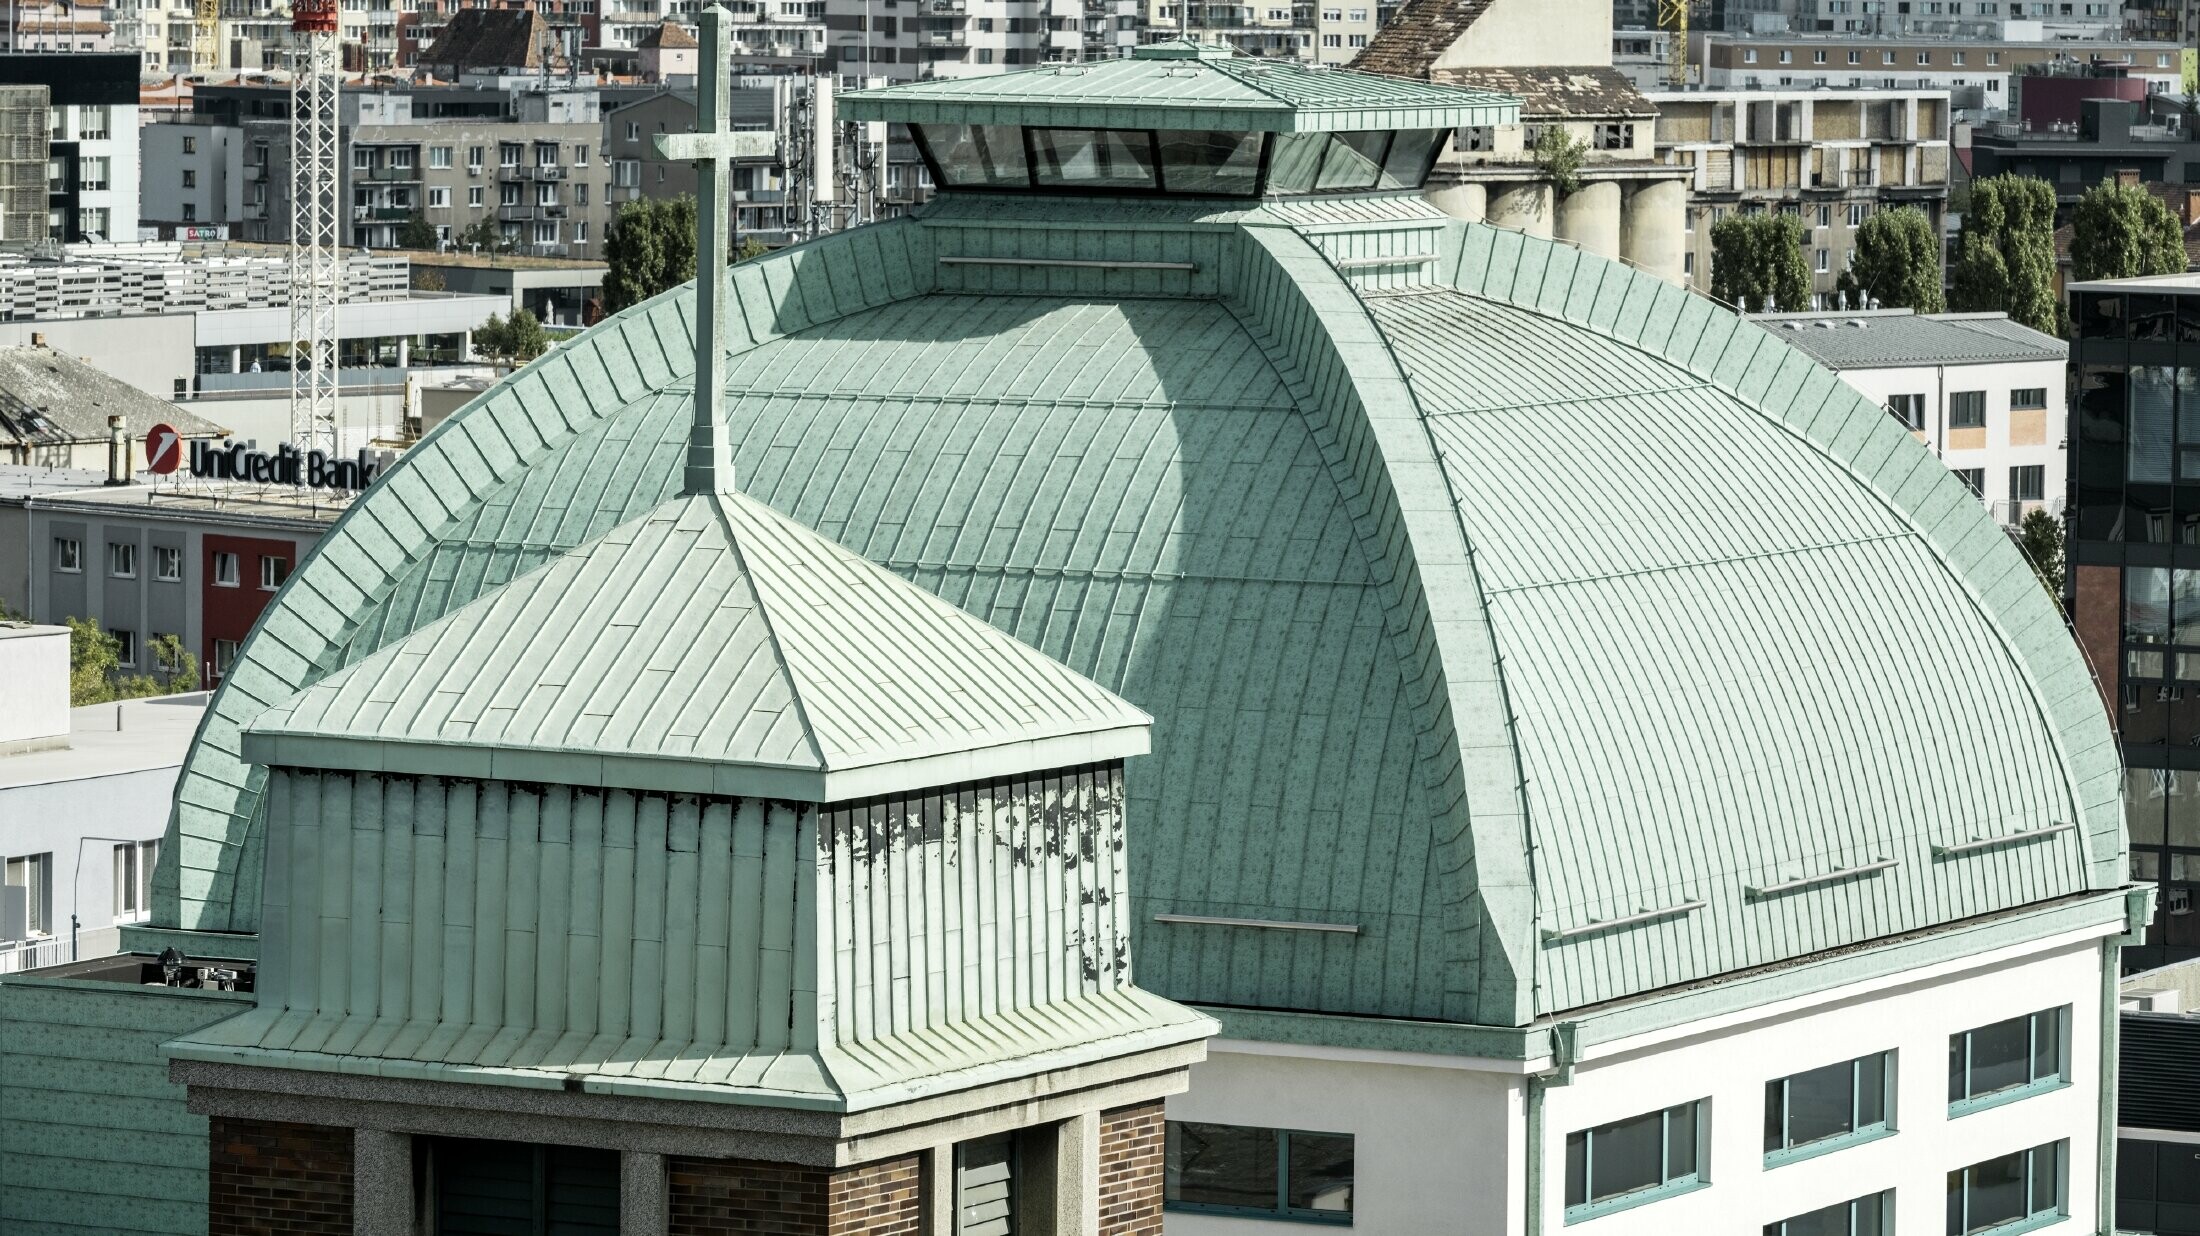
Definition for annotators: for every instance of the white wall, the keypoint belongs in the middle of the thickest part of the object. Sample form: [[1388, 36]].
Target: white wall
[[1516, 33], [34, 683], [1936, 383], [1431, 1144]]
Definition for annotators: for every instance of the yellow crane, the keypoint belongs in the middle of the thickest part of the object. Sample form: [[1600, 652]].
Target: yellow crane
[[206, 35], [1673, 19]]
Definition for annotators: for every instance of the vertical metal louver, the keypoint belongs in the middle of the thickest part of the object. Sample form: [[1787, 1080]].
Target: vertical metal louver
[[985, 1187]]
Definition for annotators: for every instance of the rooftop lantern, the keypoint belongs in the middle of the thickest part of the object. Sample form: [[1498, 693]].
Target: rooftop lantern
[[1182, 119]]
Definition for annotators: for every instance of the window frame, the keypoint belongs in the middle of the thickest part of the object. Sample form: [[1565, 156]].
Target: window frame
[[1885, 1198], [122, 560], [1282, 1211], [231, 578], [1959, 1180], [133, 885], [1160, 188], [1966, 423], [2036, 1085], [1859, 1132], [2028, 399], [1588, 1208], [167, 564], [68, 555], [275, 566]]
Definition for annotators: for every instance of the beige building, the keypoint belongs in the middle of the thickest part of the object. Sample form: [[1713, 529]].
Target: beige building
[[1975, 73], [1557, 58], [1833, 158], [1329, 32]]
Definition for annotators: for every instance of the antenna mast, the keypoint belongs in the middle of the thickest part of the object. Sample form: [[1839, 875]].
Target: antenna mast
[[316, 277]]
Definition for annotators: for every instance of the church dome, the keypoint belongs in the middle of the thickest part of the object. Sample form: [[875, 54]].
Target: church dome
[[1544, 633]]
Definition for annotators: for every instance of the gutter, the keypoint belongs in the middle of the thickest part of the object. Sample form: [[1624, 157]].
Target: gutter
[[1565, 1049]]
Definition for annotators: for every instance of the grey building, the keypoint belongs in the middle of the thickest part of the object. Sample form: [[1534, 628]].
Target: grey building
[[2112, 136], [193, 175]]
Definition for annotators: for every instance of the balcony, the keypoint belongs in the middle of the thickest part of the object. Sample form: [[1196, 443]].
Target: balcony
[[403, 175], [537, 172], [255, 173], [946, 38], [517, 214]]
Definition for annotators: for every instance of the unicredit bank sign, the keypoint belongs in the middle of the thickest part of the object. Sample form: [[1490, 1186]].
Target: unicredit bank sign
[[313, 470]]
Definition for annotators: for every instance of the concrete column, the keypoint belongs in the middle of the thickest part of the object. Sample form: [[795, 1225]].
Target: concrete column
[[236, 360], [1526, 207], [1590, 217], [645, 1194], [466, 345], [1470, 202], [1655, 229], [382, 1183], [404, 351], [936, 1193], [1077, 1177]]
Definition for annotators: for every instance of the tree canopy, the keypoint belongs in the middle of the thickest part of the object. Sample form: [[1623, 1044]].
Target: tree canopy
[[2005, 255], [96, 673], [2040, 536], [416, 233], [515, 340], [650, 248], [1897, 261], [1757, 262], [483, 233], [2123, 231]]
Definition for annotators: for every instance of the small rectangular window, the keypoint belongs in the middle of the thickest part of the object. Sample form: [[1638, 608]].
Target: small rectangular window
[[273, 571], [1828, 1107], [2007, 1060], [976, 156], [1974, 478], [1967, 410], [28, 900], [225, 569], [1909, 409], [122, 560], [2027, 398], [1243, 1170], [167, 563], [439, 157], [2028, 482], [1204, 162], [1872, 1215], [68, 555], [1094, 158], [225, 655], [1632, 1160], [126, 646], [134, 880], [2019, 1188]]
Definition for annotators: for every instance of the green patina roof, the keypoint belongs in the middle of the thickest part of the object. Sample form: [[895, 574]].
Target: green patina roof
[[710, 645], [1186, 85], [1372, 544]]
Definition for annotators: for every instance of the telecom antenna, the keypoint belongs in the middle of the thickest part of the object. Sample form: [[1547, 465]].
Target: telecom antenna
[[316, 275]]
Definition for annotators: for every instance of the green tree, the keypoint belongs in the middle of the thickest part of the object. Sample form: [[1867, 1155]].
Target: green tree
[[649, 247], [2123, 231], [2040, 536], [95, 657], [514, 340], [1757, 262], [1897, 262], [2005, 255], [416, 233], [483, 234], [1558, 155]]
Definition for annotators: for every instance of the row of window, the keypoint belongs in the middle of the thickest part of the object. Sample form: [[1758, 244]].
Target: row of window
[[26, 899], [1966, 409], [2027, 482], [509, 154], [122, 558], [1306, 1175]]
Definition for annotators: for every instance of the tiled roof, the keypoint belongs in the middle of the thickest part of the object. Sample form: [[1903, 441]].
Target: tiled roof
[[1185, 85], [669, 36], [719, 636], [48, 397], [487, 39], [1582, 91], [1890, 339], [1412, 42]]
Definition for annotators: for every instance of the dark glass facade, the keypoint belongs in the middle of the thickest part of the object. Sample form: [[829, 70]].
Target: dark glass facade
[[2134, 575]]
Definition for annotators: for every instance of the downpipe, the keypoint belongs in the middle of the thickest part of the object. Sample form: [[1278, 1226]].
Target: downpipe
[[1565, 1049]]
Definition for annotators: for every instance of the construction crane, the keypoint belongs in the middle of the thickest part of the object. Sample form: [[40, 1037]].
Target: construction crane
[[316, 273], [1673, 19], [206, 35]]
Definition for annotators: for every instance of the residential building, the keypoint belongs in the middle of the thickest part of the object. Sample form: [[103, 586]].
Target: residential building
[[1984, 394], [85, 794], [1832, 158], [2132, 567], [1975, 73], [92, 141], [1503, 818], [194, 176], [1556, 60], [2112, 139], [55, 26]]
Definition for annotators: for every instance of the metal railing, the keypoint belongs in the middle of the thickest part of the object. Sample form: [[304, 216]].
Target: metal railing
[[34, 954]]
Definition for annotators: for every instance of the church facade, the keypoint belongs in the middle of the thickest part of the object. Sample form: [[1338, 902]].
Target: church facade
[[1603, 772]]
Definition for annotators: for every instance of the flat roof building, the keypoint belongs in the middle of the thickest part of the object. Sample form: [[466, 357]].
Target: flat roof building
[[1537, 799]]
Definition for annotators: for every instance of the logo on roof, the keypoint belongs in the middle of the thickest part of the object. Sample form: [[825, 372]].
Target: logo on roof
[[163, 449]]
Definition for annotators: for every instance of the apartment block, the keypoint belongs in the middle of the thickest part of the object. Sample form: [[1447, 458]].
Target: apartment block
[[1831, 158], [1975, 73]]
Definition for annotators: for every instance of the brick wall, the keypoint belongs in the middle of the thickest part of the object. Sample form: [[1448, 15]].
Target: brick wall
[[734, 1197], [1132, 1160], [2099, 624], [266, 1178], [879, 1199]]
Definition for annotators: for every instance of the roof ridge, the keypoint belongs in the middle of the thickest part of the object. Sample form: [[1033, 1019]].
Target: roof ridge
[[764, 606]]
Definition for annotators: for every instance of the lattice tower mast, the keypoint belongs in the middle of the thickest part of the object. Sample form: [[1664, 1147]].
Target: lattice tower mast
[[1673, 19], [206, 35], [316, 271]]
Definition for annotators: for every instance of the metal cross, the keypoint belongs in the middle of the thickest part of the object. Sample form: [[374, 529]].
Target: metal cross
[[712, 148]]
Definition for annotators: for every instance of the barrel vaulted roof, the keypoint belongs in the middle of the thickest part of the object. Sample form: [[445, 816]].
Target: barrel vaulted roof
[[1186, 85], [710, 645], [1354, 501]]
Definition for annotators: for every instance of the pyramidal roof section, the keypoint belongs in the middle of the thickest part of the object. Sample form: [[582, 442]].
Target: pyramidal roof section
[[1186, 85], [710, 646]]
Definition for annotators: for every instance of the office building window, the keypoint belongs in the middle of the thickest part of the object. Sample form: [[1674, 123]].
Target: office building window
[[68, 555], [1909, 409], [225, 569], [26, 900], [273, 571], [1633, 1160], [1840, 1104], [1974, 479], [439, 157], [167, 563], [2000, 1194], [1967, 410], [1872, 1215], [122, 560], [2028, 482], [1242, 1170], [126, 645], [2007, 1060], [134, 880], [2027, 398], [225, 655]]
